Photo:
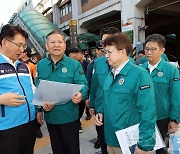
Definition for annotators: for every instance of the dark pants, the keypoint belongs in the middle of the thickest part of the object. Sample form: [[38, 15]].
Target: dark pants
[[87, 111], [163, 128], [81, 111], [64, 138], [81, 108], [100, 132], [18, 140]]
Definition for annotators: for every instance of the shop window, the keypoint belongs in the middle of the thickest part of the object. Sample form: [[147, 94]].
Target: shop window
[[67, 8]]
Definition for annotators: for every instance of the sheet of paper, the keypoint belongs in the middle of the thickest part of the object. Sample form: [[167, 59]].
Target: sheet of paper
[[54, 92], [130, 136]]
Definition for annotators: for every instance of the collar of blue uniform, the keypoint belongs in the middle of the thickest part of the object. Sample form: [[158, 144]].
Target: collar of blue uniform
[[3, 60]]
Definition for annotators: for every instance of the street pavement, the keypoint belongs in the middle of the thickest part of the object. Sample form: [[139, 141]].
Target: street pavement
[[87, 140]]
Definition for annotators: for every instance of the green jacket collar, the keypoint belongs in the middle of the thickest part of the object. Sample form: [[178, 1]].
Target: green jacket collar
[[126, 69], [61, 61]]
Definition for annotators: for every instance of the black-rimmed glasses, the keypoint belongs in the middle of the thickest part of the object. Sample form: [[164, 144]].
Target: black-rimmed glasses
[[152, 50], [24, 46]]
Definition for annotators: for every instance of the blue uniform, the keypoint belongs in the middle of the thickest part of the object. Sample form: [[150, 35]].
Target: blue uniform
[[16, 80]]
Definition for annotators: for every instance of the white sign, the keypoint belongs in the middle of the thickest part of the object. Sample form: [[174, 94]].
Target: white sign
[[54, 92], [130, 136]]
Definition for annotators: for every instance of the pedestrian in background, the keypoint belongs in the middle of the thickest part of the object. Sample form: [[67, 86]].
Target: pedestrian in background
[[128, 97], [79, 56], [35, 57], [17, 114], [99, 52], [166, 81], [62, 120], [100, 71], [141, 53], [25, 57]]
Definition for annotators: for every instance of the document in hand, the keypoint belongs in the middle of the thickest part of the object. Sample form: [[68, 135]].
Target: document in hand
[[130, 136], [54, 92]]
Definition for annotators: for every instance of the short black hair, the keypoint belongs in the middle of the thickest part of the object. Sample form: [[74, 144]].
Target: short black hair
[[9, 31], [141, 51], [28, 50], [156, 38], [75, 50], [109, 30]]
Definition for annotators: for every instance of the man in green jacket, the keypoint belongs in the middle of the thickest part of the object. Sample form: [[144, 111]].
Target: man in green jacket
[[100, 71], [166, 80], [128, 97], [62, 120], [144, 59]]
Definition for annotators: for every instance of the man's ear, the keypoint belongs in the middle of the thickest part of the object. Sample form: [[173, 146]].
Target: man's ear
[[162, 50], [4, 42], [124, 52]]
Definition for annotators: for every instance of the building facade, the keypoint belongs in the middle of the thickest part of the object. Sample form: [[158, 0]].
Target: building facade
[[137, 17]]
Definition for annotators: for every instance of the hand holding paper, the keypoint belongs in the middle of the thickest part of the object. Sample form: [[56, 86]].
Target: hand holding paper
[[77, 98], [56, 93], [47, 107], [139, 151]]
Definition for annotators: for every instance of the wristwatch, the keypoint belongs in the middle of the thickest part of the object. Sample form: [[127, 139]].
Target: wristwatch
[[39, 108]]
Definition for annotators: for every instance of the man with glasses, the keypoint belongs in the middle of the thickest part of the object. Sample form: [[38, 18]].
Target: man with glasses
[[100, 71], [17, 114], [128, 97], [166, 80]]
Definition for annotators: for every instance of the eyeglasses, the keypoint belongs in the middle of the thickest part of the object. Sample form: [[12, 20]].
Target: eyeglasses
[[24, 46], [109, 52], [152, 50]]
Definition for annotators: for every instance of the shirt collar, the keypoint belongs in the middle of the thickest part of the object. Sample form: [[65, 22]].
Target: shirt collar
[[151, 68], [62, 60], [117, 71], [9, 60]]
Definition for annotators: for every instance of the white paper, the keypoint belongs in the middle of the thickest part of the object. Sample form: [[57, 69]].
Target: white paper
[[54, 92], [130, 136]]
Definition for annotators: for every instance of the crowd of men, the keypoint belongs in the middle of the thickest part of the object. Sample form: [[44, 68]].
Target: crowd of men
[[121, 94]]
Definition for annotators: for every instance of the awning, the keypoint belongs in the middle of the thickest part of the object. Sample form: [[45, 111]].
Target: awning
[[88, 37], [83, 46], [38, 25]]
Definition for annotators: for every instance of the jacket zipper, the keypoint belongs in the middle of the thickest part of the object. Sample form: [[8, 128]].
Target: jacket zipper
[[24, 95]]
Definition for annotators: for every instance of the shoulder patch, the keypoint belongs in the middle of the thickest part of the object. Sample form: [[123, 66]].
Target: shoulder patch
[[144, 87], [176, 79]]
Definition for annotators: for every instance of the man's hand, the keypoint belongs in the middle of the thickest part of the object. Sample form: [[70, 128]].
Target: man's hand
[[12, 99], [172, 127], [139, 151], [87, 102], [92, 111], [40, 117], [99, 119], [77, 98], [48, 107]]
